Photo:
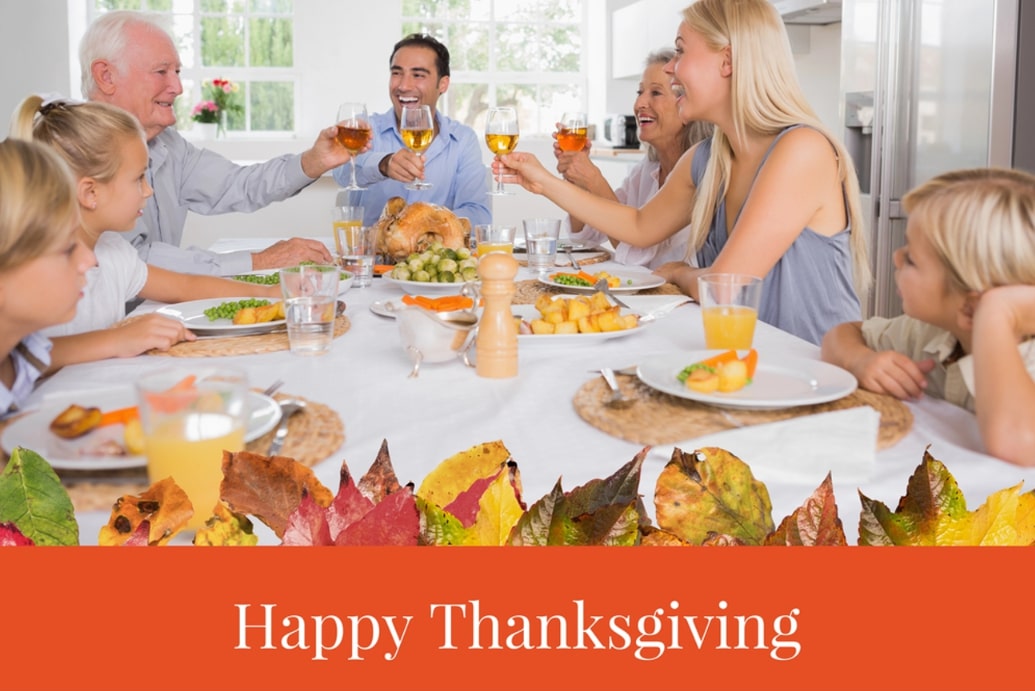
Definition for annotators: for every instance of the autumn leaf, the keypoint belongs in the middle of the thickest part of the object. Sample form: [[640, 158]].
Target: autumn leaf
[[438, 526], [458, 472], [934, 512], [499, 508], [712, 492], [226, 529], [380, 480], [394, 521], [33, 499], [163, 506], [307, 525], [655, 537], [10, 536], [604, 511], [813, 523], [268, 487]]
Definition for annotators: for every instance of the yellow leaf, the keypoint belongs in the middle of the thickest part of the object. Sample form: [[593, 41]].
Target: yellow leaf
[[458, 472], [498, 512]]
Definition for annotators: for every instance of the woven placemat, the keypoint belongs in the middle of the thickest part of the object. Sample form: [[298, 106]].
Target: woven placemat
[[528, 291], [658, 418], [313, 435], [240, 345], [582, 257]]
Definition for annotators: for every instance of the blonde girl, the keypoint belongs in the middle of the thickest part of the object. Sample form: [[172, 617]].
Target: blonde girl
[[43, 265], [104, 146], [967, 279], [771, 194]]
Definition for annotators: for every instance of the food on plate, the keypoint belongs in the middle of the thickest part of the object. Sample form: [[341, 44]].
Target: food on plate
[[273, 278], [583, 279], [227, 310], [260, 314], [438, 264], [75, 421], [724, 373], [404, 229], [446, 303], [582, 314]]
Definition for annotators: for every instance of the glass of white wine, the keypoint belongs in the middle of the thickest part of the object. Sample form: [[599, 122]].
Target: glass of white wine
[[418, 129], [501, 136], [354, 133]]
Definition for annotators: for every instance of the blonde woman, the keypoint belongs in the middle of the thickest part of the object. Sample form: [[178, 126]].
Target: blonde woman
[[667, 138], [967, 279], [104, 146], [771, 194], [43, 265]]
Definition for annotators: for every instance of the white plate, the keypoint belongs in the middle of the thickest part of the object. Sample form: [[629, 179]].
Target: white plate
[[783, 383], [33, 431], [345, 278], [422, 288], [380, 308], [529, 312], [192, 314], [631, 283]]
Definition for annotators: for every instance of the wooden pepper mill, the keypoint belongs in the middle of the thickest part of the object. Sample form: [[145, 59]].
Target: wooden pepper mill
[[497, 344]]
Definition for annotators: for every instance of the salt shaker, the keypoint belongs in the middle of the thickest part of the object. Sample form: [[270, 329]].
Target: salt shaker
[[497, 344]]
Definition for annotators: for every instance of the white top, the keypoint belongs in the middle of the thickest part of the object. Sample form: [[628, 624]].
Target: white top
[[119, 276], [636, 190]]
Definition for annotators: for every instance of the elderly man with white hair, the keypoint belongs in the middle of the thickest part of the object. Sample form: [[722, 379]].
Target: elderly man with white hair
[[130, 61]]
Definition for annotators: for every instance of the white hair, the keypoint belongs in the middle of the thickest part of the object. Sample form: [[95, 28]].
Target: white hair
[[105, 39]]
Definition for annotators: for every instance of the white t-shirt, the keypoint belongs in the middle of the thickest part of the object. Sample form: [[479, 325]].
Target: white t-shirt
[[636, 190], [119, 276]]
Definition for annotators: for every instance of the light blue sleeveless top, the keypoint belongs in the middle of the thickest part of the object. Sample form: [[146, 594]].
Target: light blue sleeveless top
[[810, 289]]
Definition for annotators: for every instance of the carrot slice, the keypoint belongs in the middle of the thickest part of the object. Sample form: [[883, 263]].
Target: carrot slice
[[119, 416], [751, 360], [719, 359]]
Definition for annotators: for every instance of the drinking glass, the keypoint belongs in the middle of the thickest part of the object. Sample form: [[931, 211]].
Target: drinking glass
[[418, 129], [189, 417], [310, 301], [572, 134], [501, 135], [729, 309], [354, 133]]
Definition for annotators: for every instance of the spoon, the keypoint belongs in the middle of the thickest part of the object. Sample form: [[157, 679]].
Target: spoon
[[287, 409], [571, 257]]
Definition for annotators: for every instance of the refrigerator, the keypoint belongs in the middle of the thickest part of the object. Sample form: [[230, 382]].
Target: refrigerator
[[929, 86]]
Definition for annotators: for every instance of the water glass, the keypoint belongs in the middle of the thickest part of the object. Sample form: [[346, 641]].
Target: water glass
[[541, 236], [494, 238], [189, 417], [310, 301], [344, 216], [729, 308], [357, 250]]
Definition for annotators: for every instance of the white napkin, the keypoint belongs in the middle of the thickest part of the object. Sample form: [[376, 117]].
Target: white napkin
[[802, 449]]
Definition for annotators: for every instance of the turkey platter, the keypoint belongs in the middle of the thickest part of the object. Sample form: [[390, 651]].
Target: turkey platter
[[407, 228]]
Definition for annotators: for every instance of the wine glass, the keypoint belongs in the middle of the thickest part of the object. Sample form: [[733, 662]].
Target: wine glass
[[418, 129], [353, 133], [572, 134], [501, 135]]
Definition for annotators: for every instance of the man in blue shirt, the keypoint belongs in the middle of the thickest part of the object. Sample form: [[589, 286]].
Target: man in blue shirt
[[453, 162]]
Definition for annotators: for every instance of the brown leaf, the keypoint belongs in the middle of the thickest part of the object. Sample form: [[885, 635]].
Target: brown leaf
[[269, 488], [813, 523], [655, 537], [715, 540], [380, 480], [163, 505]]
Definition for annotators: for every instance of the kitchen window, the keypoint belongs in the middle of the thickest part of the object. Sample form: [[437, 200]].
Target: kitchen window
[[529, 54], [249, 42]]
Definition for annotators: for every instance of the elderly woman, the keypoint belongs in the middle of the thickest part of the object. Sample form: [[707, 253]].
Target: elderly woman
[[667, 138]]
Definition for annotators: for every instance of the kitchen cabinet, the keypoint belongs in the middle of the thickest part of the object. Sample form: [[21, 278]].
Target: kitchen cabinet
[[639, 29]]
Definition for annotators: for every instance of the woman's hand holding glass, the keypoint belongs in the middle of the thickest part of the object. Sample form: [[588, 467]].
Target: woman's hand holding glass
[[501, 136]]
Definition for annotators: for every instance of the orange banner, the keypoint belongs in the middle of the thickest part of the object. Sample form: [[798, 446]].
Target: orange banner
[[511, 618]]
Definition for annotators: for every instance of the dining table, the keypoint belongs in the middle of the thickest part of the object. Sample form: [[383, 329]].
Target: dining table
[[449, 408]]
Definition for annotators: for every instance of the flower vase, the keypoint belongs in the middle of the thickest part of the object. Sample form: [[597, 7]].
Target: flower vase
[[207, 130], [221, 125]]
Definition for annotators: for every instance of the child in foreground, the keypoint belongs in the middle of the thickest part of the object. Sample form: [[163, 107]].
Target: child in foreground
[[42, 263], [105, 148], [967, 279]]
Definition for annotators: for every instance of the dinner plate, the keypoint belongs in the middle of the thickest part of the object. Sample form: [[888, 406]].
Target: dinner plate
[[345, 278], [519, 245], [33, 430], [782, 382], [192, 314], [422, 287], [631, 283], [380, 308], [529, 312]]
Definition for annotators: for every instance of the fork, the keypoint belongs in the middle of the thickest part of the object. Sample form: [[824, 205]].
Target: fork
[[602, 286], [571, 257], [618, 398], [272, 388]]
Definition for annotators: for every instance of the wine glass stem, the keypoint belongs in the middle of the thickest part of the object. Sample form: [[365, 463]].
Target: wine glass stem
[[499, 179], [353, 177]]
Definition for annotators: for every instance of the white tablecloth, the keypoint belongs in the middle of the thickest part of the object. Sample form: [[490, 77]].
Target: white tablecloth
[[449, 409]]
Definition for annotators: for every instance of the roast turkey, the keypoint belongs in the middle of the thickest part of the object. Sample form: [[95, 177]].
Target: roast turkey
[[407, 228]]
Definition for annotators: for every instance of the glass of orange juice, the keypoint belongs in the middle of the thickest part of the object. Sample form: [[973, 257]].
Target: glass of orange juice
[[729, 308], [189, 417], [494, 238]]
